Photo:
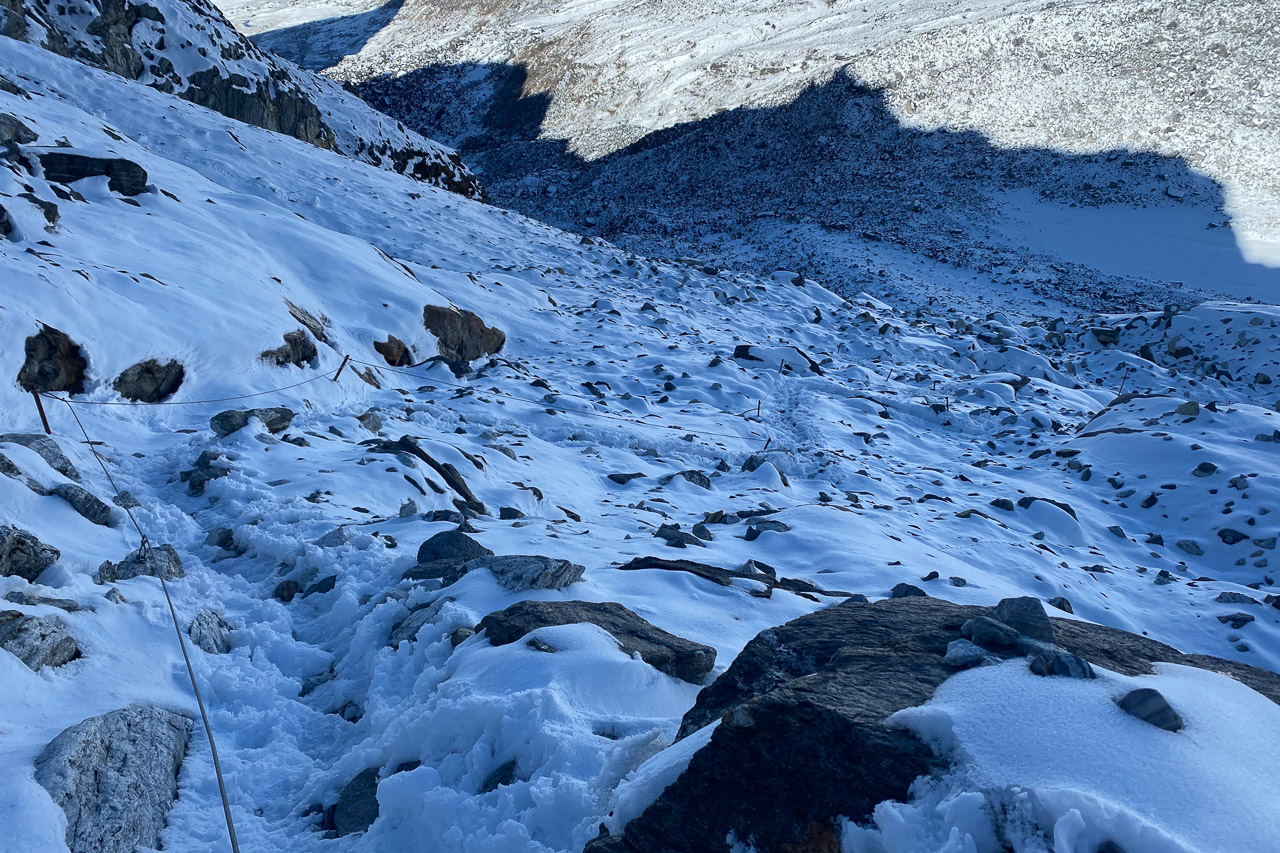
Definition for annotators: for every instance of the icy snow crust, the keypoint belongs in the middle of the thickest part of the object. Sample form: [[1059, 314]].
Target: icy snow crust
[[1063, 755], [914, 419]]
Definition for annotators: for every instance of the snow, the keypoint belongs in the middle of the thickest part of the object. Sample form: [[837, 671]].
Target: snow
[[1063, 750], [916, 417]]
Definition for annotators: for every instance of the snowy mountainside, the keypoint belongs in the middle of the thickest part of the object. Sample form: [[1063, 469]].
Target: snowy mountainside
[[188, 48], [797, 446], [1106, 155]]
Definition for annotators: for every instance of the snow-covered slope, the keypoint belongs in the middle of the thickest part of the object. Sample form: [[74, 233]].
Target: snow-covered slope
[[821, 446], [187, 48], [1111, 155]]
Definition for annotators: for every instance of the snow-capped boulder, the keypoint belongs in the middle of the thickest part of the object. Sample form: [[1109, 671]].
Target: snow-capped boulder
[[676, 656], [23, 555], [123, 176], [520, 572], [47, 449], [115, 777], [802, 741]]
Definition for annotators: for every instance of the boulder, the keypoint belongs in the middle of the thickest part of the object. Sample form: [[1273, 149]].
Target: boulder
[[37, 641], [53, 363], [1150, 706], [150, 381], [297, 350], [462, 335], [82, 501], [519, 573], [208, 466], [357, 806], [115, 777], [276, 419], [164, 562], [394, 351], [666, 652], [802, 741], [23, 555], [210, 633], [123, 176], [451, 545], [1026, 616], [47, 449]]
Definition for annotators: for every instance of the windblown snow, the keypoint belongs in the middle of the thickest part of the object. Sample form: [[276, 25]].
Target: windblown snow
[[1123, 466]]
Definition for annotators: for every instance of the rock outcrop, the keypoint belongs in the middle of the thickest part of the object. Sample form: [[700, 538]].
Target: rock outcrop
[[123, 176], [115, 777], [188, 49], [664, 651], [802, 740]]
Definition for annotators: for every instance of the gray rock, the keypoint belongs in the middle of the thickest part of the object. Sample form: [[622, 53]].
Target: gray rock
[[210, 633], [150, 381], [906, 590], [115, 777], [451, 545], [123, 176], [623, 479], [697, 478], [208, 466], [666, 652], [963, 654], [297, 350], [31, 600], [37, 641], [677, 538], [1150, 706], [461, 335], [47, 449], [1231, 537], [461, 635], [1026, 616], [357, 806], [90, 507], [509, 513], [53, 363], [1050, 660], [1062, 603], [276, 419], [1205, 469], [164, 561], [1188, 409], [503, 775], [990, 633], [1237, 620], [1229, 597], [519, 573], [335, 538], [23, 555], [1190, 546], [285, 590]]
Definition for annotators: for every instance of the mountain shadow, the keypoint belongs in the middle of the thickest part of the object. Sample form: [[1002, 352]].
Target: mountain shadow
[[833, 185]]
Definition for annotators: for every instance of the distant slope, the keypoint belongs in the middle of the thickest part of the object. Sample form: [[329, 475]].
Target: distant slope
[[779, 133]]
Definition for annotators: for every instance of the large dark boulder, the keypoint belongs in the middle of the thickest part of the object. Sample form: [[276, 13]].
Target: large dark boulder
[[23, 555], [462, 335], [802, 740], [163, 561], [123, 176], [115, 777], [452, 545], [150, 381], [357, 806], [53, 363], [275, 419], [676, 656]]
